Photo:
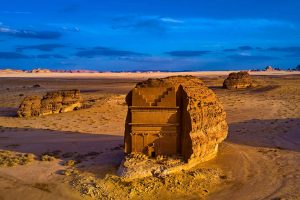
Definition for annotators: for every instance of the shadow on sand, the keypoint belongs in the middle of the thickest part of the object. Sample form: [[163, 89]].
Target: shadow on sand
[[8, 112], [255, 90], [101, 154], [273, 133], [91, 151]]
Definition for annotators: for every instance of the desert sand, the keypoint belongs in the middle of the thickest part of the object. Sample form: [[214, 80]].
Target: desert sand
[[259, 160]]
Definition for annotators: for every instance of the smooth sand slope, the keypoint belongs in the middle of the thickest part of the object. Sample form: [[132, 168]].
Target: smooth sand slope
[[259, 160]]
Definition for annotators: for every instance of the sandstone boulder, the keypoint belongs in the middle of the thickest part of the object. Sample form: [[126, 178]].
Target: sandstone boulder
[[51, 103], [238, 80], [174, 116], [30, 107]]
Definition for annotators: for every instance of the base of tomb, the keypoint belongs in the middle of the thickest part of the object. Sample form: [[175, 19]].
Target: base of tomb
[[138, 165]]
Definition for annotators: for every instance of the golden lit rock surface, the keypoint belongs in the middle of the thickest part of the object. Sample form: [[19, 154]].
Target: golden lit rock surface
[[51, 103], [238, 80], [174, 116]]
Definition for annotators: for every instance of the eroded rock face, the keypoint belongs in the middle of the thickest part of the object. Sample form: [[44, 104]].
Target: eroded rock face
[[174, 116], [238, 80], [30, 107], [51, 103], [60, 101]]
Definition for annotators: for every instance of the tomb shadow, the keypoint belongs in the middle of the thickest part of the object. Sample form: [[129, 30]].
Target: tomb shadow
[[8, 112], [272, 133], [93, 152]]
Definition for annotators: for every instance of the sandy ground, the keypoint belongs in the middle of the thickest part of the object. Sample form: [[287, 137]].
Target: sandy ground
[[259, 160]]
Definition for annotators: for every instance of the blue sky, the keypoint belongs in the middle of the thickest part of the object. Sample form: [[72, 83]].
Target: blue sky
[[121, 35]]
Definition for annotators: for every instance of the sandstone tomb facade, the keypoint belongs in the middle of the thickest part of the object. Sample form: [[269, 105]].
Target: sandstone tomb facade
[[174, 116]]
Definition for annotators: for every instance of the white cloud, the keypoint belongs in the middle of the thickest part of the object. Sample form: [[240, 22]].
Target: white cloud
[[245, 53], [206, 23], [171, 20], [164, 24], [71, 29], [6, 30]]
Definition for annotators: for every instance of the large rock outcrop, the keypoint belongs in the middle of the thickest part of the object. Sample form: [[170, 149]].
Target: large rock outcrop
[[238, 80], [30, 107], [51, 103], [174, 116]]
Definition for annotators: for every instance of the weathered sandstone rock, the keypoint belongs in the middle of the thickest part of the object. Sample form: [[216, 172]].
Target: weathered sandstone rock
[[238, 80], [51, 103], [60, 101], [30, 107], [174, 116]]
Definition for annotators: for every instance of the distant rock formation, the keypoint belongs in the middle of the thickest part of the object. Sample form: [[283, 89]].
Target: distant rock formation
[[51, 103], [83, 71], [238, 80], [11, 71], [269, 69], [75, 71], [38, 70]]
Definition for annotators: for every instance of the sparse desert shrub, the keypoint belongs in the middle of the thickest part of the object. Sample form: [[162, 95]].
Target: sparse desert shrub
[[69, 172], [10, 158], [79, 158], [46, 157], [70, 163], [54, 154], [68, 154]]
